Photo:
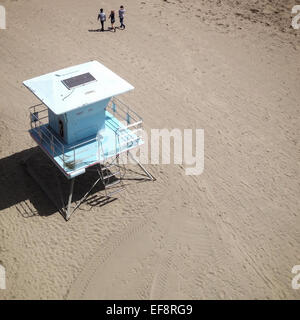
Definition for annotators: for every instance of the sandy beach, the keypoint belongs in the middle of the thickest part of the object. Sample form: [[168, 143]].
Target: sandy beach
[[228, 67]]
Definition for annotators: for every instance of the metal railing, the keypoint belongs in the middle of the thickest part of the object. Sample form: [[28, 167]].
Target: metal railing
[[123, 112], [130, 120], [39, 124], [129, 132]]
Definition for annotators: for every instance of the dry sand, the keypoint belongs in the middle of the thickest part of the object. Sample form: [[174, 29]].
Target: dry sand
[[228, 67]]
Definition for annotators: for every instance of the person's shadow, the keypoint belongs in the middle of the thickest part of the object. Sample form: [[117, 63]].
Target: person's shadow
[[99, 30], [109, 29], [96, 30]]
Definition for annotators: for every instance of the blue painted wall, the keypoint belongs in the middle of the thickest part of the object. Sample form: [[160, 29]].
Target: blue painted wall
[[79, 124]]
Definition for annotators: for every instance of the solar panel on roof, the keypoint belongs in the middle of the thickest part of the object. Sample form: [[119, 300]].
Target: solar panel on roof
[[80, 80]]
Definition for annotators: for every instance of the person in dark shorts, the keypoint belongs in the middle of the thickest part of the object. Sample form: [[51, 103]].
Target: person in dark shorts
[[102, 18], [112, 20], [121, 16]]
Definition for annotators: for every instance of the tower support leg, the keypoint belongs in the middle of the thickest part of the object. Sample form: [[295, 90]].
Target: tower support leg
[[149, 175], [69, 212]]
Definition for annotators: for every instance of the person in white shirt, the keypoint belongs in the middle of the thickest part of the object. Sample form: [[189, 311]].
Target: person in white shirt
[[121, 16], [102, 18]]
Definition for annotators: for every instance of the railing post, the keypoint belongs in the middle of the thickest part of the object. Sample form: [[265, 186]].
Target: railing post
[[63, 152], [117, 139], [40, 132], [74, 157], [52, 145]]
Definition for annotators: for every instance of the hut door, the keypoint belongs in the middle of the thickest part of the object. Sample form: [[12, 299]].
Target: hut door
[[61, 128]]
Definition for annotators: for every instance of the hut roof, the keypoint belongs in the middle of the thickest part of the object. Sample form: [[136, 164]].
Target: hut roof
[[71, 88]]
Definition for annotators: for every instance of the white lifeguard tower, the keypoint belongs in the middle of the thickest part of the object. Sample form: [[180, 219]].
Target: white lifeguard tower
[[80, 124]]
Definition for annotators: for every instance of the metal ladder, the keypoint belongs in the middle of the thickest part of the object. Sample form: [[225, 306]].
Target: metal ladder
[[110, 172]]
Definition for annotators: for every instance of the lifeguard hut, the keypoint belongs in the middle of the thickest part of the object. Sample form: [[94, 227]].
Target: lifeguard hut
[[80, 124]]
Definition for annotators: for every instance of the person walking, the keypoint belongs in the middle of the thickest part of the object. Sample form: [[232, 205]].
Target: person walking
[[112, 20], [121, 16], [102, 18]]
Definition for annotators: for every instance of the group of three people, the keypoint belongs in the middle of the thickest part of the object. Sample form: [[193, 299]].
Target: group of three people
[[102, 18]]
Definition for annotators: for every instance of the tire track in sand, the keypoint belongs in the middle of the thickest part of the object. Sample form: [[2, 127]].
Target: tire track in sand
[[104, 254]]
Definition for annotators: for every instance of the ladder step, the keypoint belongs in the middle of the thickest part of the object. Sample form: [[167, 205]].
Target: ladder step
[[112, 174], [127, 141], [116, 191], [126, 144], [129, 133], [112, 183], [109, 166]]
